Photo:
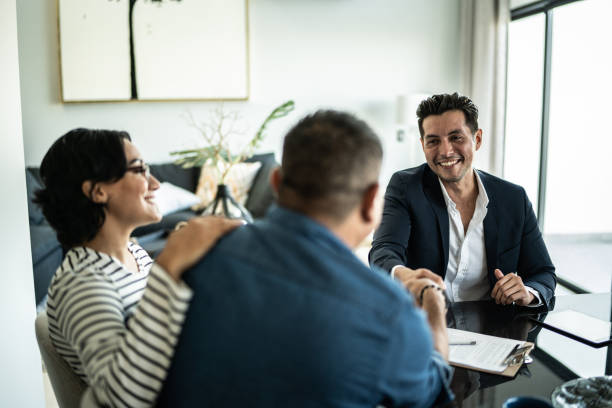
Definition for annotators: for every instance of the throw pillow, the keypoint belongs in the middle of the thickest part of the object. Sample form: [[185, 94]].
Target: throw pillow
[[261, 195], [239, 181], [170, 198]]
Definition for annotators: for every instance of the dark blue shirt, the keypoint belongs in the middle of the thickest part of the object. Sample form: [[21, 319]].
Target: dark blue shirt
[[284, 314]]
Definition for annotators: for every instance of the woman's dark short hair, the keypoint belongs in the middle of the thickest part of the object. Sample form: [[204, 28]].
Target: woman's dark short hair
[[438, 104], [79, 155]]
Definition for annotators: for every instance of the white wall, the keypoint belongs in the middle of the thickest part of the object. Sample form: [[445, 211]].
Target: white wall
[[349, 54], [356, 55], [20, 366]]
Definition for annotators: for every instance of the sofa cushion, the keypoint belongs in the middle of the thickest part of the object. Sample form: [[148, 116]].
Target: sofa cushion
[[166, 224], [153, 243], [239, 180], [170, 198], [47, 256], [42, 241], [175, 174], [261, 195], [44, 270]]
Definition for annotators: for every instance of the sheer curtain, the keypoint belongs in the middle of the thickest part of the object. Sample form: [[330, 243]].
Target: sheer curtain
[[484, 40]]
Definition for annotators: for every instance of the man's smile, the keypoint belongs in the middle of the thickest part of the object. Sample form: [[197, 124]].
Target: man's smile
[[449, 162]]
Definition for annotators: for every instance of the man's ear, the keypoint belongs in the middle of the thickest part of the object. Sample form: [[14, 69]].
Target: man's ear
[[95, 192], [478, 139], [275, 179], [370, 207]]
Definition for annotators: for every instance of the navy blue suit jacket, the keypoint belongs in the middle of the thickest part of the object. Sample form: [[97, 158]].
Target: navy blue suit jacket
[[283, 314], [414, 230]]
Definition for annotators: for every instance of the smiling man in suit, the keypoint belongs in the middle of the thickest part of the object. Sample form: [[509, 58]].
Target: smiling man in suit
[[473, 233]]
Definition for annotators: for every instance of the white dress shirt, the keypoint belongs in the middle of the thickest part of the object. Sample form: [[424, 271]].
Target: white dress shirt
[[466, 271]]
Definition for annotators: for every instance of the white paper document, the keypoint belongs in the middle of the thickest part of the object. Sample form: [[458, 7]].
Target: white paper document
[[488, 353]]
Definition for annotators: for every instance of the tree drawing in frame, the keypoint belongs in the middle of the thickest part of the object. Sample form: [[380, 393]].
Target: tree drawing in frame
[[133, 84], [121, 50]]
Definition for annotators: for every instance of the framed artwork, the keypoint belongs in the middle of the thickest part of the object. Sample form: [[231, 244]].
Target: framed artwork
[[125, 50]]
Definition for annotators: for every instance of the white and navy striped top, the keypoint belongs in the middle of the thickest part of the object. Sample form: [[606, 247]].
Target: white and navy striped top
[[117, 329]]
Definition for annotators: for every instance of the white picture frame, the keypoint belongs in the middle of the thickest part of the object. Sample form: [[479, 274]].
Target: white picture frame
[[182, 50]]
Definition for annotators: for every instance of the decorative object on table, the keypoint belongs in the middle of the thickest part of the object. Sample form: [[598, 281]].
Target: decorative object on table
[[224, 204], [584, 393], [526, 402], [238, 179], [153, 50], [225, 178]]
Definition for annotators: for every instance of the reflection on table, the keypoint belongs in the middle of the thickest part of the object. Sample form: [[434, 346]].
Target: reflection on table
[[556, 359]]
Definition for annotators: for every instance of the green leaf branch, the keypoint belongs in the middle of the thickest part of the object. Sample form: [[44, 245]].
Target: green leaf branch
[[217, 131]]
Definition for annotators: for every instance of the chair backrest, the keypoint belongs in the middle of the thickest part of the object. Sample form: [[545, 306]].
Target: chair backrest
[[67, 385]]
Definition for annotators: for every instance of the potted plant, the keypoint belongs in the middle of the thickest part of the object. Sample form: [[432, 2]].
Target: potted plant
[[217, 156]]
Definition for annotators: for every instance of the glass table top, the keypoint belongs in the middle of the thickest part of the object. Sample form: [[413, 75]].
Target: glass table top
[[556, 358]]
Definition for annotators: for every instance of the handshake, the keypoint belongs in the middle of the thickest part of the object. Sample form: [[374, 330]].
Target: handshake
[[509, 289], [425, 286]]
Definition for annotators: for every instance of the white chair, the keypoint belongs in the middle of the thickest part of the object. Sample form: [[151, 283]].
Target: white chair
[[67, 386]]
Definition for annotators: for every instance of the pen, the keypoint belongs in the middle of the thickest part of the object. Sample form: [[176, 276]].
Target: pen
[[463, 343]]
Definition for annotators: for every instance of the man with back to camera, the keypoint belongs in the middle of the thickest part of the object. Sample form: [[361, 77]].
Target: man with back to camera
[[467, 230], [284, 314]]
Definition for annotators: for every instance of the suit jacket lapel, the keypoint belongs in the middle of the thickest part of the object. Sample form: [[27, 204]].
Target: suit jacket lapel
[[490, 229], [431, 188]]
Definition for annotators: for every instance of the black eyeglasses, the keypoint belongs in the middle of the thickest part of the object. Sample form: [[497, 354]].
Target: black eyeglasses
[[143, 169]]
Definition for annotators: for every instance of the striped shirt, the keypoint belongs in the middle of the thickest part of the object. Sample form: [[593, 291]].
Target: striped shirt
[[117, 329]]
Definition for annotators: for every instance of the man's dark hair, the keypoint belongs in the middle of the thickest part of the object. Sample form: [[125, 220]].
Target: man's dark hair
[[330, 159], [438, 104], [79, 155]]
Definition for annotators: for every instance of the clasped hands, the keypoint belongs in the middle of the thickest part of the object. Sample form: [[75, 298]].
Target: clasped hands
[[510, 289], [507, 290]]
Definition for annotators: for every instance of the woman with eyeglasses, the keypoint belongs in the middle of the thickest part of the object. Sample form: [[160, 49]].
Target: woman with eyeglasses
[[114, 314]]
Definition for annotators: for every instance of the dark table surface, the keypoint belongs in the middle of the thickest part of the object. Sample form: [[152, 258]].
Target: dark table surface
[[556, 358]]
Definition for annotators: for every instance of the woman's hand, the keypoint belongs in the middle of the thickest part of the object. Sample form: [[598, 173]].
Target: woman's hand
[[186, 245]]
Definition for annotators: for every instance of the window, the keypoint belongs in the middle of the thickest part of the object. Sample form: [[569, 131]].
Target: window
[[557, 142], [524, 104]]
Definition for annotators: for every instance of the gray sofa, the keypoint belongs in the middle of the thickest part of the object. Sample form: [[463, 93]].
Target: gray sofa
[[47, 253]]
